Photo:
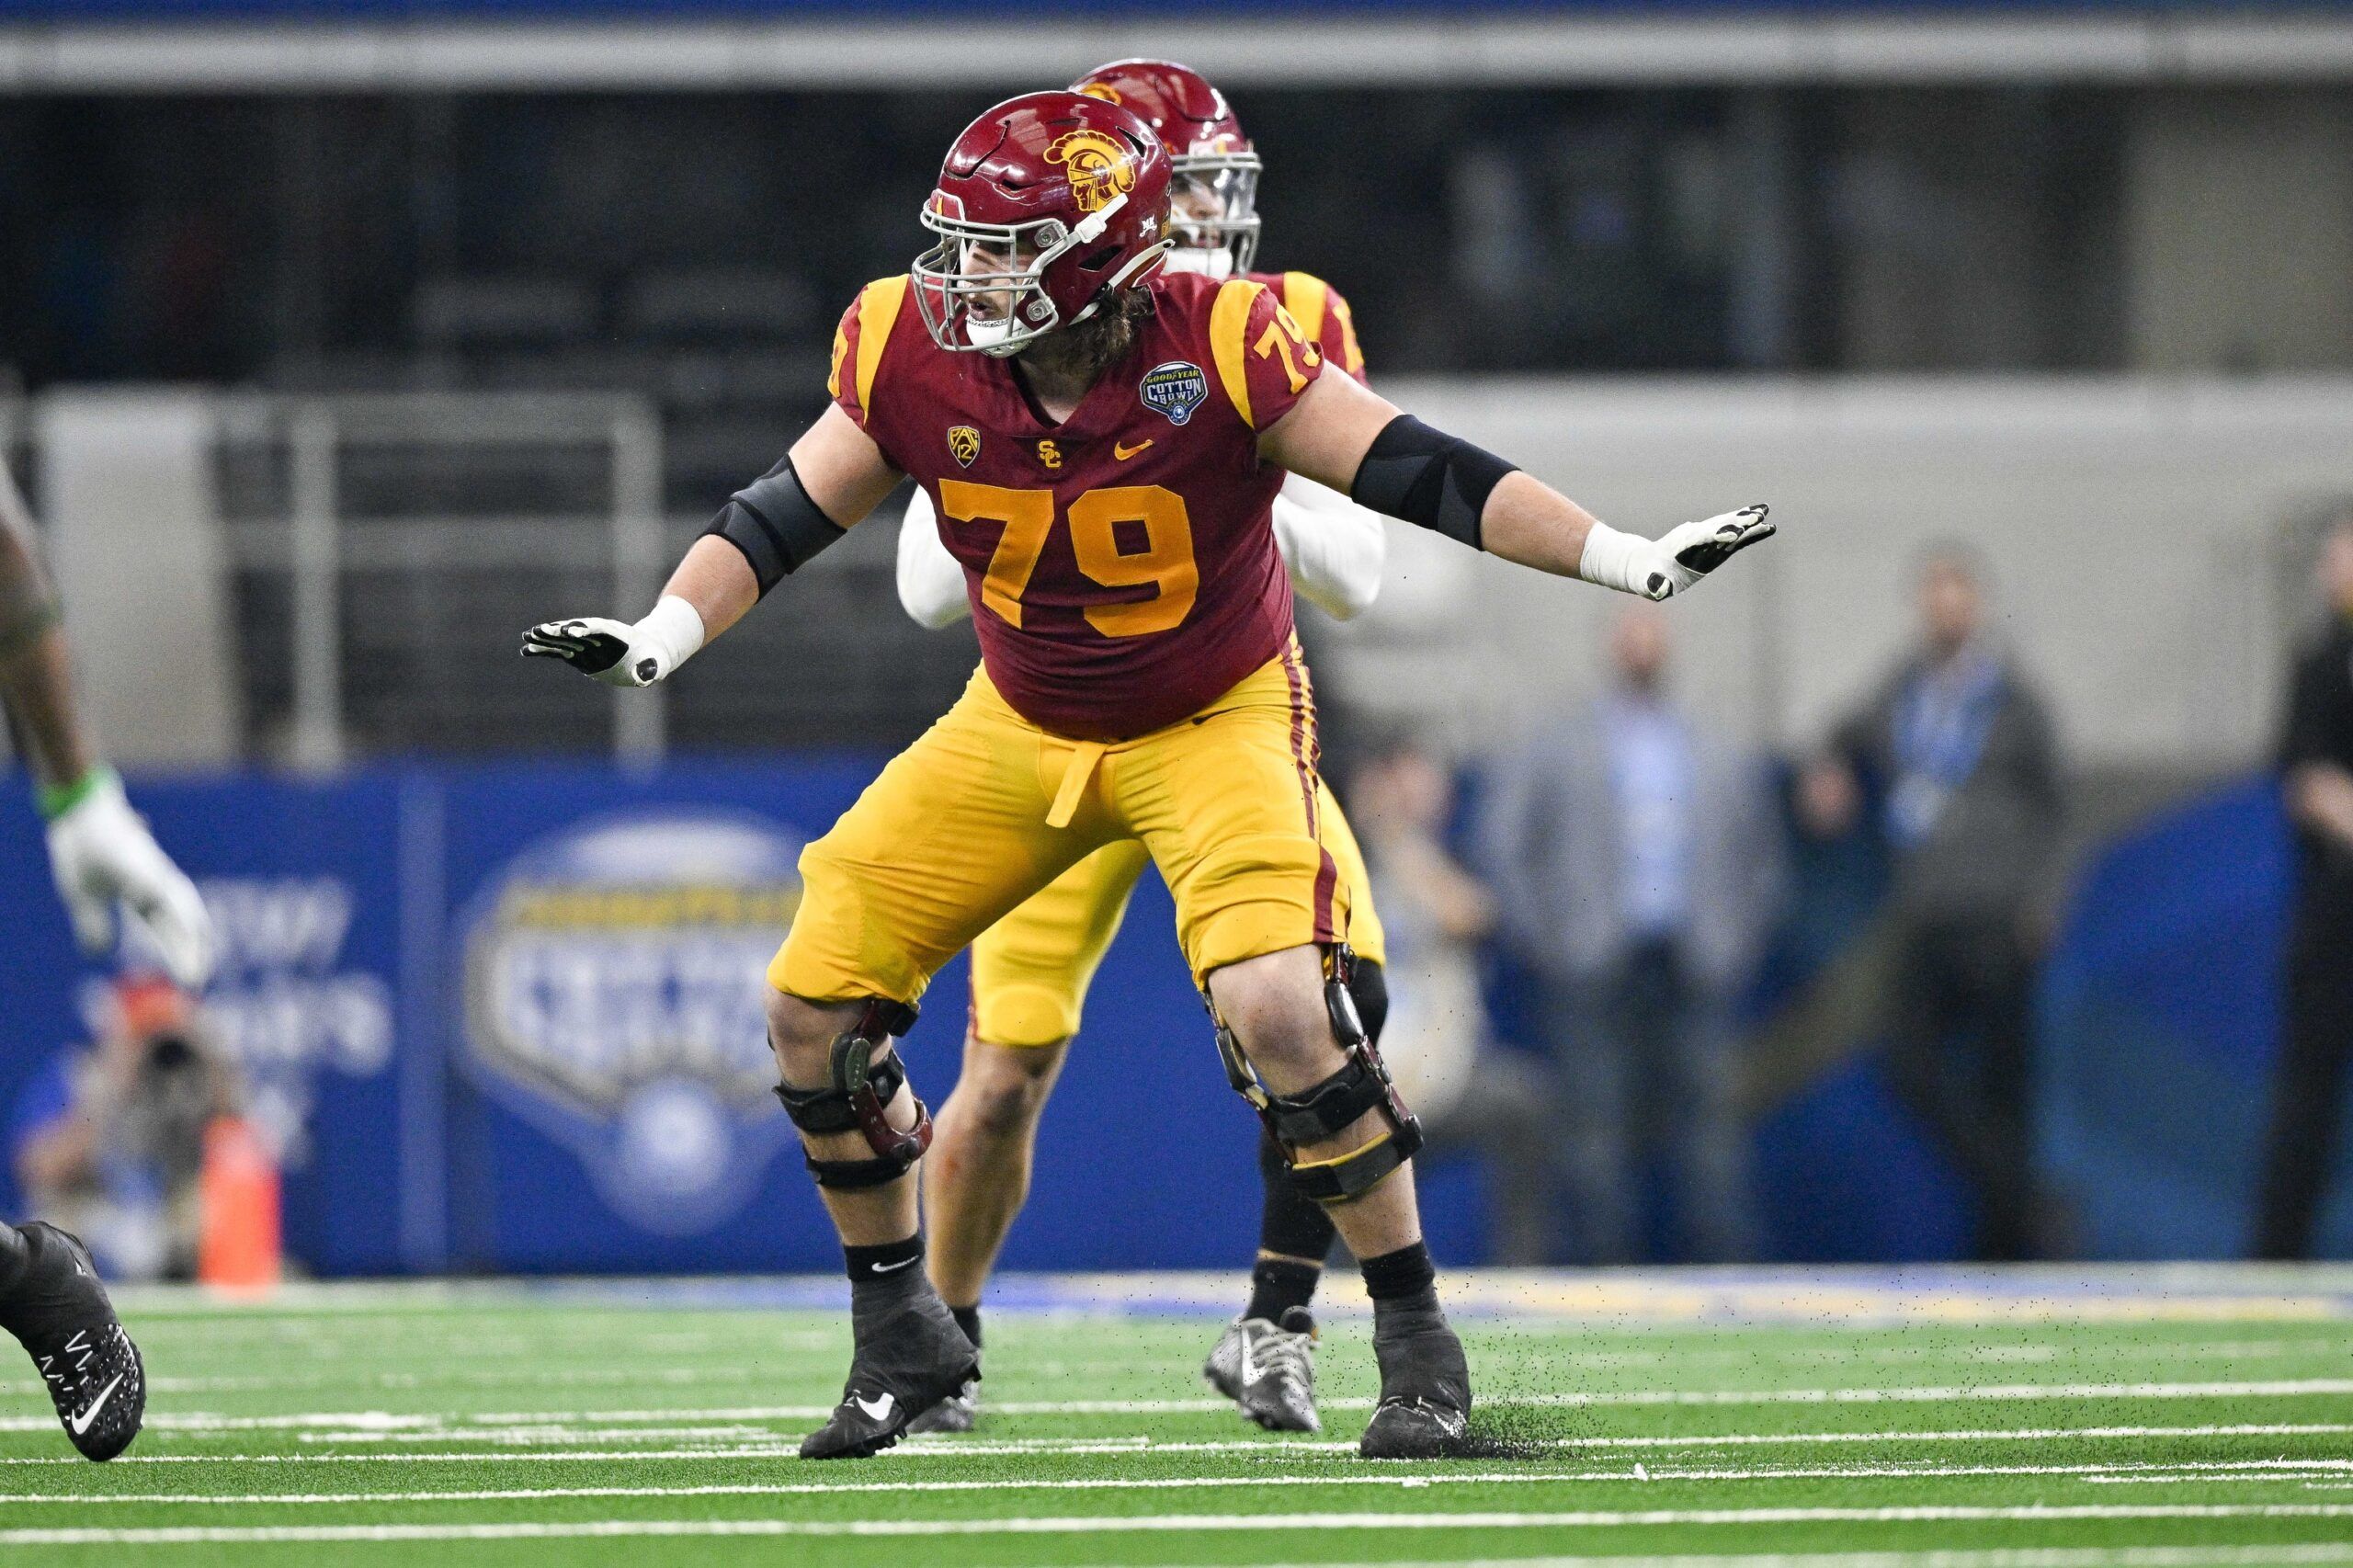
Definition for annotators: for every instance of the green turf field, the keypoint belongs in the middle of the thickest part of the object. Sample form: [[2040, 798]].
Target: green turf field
[[2161, 1418]]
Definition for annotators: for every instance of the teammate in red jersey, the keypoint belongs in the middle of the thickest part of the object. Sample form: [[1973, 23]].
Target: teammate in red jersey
[[1105, 443], [1031, 971]]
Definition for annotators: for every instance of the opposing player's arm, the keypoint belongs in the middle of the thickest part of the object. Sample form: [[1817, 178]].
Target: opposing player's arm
[[931, 583], [1333, 548], [832, 478], [1344, 435], [34, 678], [100, 852]]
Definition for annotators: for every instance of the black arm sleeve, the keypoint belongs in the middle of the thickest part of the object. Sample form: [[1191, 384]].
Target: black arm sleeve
[[774, 524], [1428, 477]]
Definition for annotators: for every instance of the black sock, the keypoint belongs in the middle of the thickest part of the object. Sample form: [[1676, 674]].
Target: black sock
[[1404, 1287], [969, 1320], [868, 1265], [1278, 1284]]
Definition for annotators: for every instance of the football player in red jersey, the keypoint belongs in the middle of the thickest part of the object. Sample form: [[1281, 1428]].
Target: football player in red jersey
[[1105, 442], [1031, 971]]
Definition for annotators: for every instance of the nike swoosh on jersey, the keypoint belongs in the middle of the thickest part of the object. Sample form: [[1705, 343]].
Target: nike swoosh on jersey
[[876, 1409], [1123, 451], [81, 1423]]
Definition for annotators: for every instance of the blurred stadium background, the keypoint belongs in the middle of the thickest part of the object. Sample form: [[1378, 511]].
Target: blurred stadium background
[[341, 340]]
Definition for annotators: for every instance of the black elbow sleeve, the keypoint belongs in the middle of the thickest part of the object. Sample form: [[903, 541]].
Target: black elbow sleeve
[[1428, 477], [774, 524]]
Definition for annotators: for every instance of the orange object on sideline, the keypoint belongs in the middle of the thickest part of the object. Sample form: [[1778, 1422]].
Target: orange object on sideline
[[237, 1244]]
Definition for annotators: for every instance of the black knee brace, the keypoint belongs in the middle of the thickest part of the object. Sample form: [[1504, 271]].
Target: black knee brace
[[866, 1075], [1362, 1085]]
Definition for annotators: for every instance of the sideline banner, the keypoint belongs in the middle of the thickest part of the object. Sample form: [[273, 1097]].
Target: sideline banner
[[304, 880], [508, 1018]]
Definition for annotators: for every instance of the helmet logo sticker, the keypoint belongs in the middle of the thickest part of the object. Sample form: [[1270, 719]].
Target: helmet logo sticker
[[1175, 389], [1098, 164], [963, 444], [1110, 94]]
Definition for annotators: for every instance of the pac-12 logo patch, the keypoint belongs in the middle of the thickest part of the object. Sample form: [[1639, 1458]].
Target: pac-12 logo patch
[[963, 444], [1175, 389]]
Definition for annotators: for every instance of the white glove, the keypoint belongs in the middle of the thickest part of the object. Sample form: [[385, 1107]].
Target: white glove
[[1661, 568], [618, 654], [99, 852]]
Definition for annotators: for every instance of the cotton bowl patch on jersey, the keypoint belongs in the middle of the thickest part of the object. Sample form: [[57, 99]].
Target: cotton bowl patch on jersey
[[1175, 389]]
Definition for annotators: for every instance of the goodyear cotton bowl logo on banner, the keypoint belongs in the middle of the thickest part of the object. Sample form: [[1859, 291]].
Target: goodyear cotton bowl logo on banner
[[615, 997]]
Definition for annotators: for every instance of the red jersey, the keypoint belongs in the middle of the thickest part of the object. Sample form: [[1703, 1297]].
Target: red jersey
[[1321, 313], [1122, 564]]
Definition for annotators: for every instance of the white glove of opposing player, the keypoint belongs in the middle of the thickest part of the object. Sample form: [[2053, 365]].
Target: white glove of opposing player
[[619, 653], [1661, 568], [101, 853]]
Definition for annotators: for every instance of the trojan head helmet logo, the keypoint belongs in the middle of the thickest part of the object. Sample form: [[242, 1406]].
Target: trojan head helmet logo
[[1099, 165], [963, 444], [1109, 94]]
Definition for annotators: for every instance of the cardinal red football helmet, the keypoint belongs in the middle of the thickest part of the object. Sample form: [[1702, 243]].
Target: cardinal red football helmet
[[1047, 206], [1216, 204]]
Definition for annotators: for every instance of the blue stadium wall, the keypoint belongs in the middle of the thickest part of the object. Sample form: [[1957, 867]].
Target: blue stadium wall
[[506, 1018]]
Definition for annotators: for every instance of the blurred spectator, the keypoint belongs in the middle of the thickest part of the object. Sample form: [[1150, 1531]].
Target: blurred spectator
[[2316, 755], [1958, 751], [1638, 862], [108, 1142], [1438, 1042]]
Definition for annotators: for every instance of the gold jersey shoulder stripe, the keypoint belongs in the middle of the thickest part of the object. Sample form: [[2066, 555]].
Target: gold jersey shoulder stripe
[[877, 312], [841, 352], [1229, 322], [1352, 356], [1303, 296]]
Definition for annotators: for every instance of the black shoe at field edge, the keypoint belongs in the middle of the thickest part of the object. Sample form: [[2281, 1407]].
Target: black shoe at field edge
[[59, 1311]]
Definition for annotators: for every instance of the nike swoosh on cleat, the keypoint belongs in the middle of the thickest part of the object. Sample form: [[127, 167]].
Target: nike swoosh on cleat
[[891, 1267], [80, 1424], [878, 1409]]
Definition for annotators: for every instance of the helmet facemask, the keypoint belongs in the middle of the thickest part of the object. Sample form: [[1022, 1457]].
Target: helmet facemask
[[1213, 212], [982, 288]]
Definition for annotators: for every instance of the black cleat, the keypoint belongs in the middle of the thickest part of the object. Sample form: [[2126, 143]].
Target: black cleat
[[1424, 1409], [908, 1359], [59, 1311], [955, 1414], [1268, 1370]]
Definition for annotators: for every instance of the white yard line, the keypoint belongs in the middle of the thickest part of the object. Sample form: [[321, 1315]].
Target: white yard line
[[2281, 1470], [1264, 1448], [1995, 1557], [1950, 1394], [1163, 1524]]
